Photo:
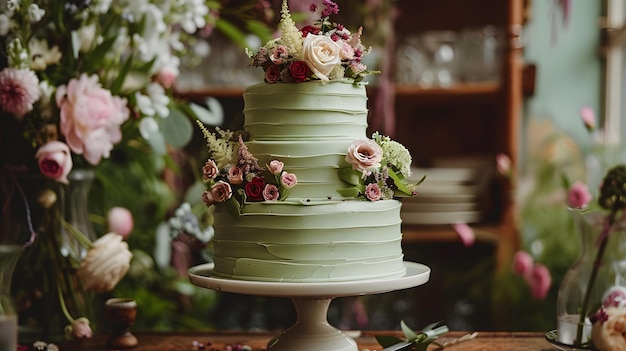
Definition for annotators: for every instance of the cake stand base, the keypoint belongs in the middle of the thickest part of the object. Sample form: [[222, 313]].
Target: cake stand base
[[311, 331]]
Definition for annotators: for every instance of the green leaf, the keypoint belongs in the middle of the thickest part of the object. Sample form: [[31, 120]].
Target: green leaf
[[350, 176], [233, 207], [388, 340], [353, 191], [398, 182], [177, 129], [232, 32], [408, 332]]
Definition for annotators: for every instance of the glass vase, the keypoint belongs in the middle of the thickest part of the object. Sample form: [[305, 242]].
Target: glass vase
[[8, 312], [76, 212], [590, 278]]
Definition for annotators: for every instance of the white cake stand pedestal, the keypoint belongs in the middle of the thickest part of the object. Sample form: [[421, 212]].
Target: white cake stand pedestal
[[311, 331]]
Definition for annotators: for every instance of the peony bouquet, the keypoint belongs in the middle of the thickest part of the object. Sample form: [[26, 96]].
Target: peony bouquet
[[78, 81]]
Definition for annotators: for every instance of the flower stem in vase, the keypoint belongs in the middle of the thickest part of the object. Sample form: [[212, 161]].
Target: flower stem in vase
[[604, 238]]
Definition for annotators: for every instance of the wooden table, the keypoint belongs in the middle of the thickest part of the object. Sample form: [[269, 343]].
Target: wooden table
[[217, 341]]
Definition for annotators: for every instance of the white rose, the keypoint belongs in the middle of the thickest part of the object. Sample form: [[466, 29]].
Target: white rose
[[321, 54], [106, 263]]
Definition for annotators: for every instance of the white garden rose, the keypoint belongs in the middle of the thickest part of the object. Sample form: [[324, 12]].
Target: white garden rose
[[321, 54], [106, 263]]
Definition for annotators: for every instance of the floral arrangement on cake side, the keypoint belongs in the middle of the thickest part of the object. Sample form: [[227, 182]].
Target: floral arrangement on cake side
[[233, 175], [380, 168], [323, 51]]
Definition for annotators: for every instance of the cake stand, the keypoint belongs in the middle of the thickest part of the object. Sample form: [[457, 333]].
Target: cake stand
[[311, 331]]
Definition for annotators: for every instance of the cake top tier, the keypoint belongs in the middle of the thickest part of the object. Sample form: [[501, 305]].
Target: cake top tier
[[323, 51]]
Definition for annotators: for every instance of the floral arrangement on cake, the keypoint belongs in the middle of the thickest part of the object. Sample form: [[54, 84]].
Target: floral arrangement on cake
[[323, 51], [380, 168], [233, 175]]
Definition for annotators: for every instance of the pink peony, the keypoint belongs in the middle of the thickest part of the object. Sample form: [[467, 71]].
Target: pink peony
[[270, 193], [221, 191], [275, 167], [209, 170], [235, 175], [288, 180], [539, 281], [465, 232], [364, 154], [372, 192], [522, 263], [120, 221], [55, 161], [578, 195], [90, 117], [19, 90]]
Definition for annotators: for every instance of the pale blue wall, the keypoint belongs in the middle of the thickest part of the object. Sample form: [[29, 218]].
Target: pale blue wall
[[569, 64]]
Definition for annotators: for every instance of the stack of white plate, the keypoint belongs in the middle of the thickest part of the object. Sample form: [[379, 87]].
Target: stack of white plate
[[454, 192]]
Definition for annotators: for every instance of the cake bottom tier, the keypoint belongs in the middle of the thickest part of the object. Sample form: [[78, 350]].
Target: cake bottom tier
[[310, 241]]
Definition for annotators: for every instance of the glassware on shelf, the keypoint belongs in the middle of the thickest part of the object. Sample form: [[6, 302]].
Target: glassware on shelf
[[481, 49], [427, 59]]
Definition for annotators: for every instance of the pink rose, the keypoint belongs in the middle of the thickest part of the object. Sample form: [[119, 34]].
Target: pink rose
[[465, 232], [167, 76], [55, 161], [275, 167], [120, 221], [79, 329], [372, 192], [90, 117], [539, 281], [270, 193], [578, 195], [221, 191], [208, 198], [299, 71], [235, 175], [272, 74], [364, 154], [209, 170], [347, 52], [522, 263], [288, 180]]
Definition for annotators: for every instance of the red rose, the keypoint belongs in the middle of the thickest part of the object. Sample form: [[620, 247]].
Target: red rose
[[254, 189], [309, 29], [299, 71]]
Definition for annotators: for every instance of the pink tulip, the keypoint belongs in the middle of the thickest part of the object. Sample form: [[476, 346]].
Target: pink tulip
[[120, 221], [465, 232], [539, 281], [578, 195], [588, 117], [522, 263], [79, 329]]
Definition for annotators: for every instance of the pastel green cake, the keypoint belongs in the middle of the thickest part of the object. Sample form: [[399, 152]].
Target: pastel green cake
[[315, 235]]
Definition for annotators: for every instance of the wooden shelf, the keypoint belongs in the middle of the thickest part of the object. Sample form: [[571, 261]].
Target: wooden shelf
[[459, 89], [444, 233]]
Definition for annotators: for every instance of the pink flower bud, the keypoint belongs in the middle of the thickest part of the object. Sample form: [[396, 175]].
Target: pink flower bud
[[55, 161], [588, 117], [79, 329], [275, 167], [539, 281], [288, 180], [465, 232], [372, 192], [120, 221]]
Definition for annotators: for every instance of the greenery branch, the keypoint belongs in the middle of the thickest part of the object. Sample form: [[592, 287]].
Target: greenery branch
[[417, 341]]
